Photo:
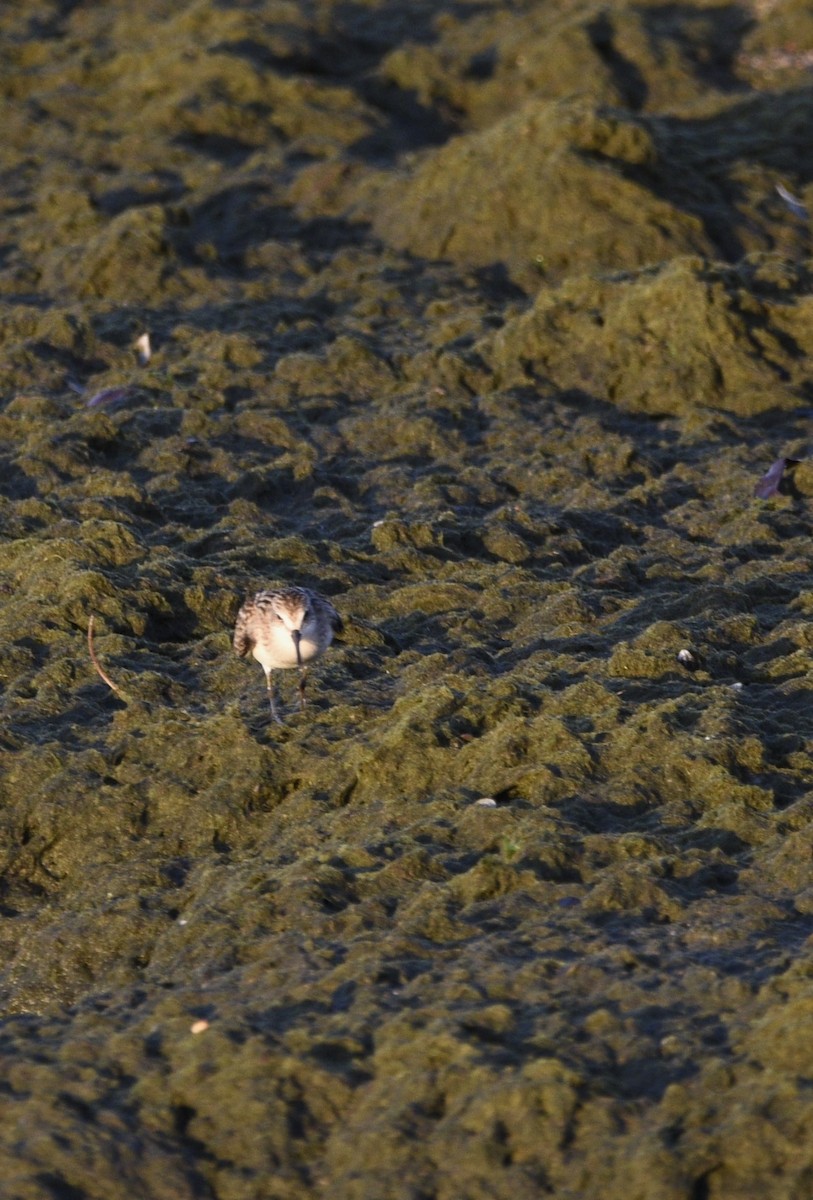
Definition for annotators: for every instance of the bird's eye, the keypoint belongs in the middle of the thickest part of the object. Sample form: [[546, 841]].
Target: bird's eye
[[306, 614]]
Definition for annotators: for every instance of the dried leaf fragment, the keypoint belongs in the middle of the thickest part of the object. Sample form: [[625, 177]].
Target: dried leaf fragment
[[110, 397], [94, 659], [793, 202]]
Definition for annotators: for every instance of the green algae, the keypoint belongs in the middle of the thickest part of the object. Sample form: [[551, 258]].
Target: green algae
[[539, 184], [521, 901], [662, 341]]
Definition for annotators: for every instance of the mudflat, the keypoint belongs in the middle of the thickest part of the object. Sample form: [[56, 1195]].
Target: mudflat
[[492, 323]]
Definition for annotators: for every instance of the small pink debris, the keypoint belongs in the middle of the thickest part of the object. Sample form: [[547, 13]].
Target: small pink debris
[[769, 483], [199, 1026], [110, 397]]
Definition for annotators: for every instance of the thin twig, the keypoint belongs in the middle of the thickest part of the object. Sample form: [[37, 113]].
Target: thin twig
[[95, 660]]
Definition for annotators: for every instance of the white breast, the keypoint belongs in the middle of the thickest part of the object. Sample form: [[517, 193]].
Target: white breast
[[276, 650]]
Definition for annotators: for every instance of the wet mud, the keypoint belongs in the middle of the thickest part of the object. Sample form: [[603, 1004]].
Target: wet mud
[[486, 321]]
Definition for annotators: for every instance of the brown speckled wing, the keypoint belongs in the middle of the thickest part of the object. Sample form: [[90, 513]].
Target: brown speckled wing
[[242, 642]]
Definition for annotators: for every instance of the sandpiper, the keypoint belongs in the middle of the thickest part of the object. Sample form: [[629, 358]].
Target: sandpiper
[[283, 628]]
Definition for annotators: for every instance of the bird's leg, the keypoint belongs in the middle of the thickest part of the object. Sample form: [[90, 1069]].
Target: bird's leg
[[274, 714], [302, 678]]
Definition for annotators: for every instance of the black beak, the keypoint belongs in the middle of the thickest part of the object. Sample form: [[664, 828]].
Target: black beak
[[296, 635]]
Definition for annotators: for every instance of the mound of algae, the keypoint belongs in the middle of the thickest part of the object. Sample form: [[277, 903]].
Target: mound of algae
[[485, 321], [683, 335], [547, 187]]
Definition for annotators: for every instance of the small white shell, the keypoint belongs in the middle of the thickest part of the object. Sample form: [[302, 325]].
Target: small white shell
[[143, 349]]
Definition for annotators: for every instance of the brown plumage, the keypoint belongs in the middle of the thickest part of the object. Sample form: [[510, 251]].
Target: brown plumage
[[284, 628]]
